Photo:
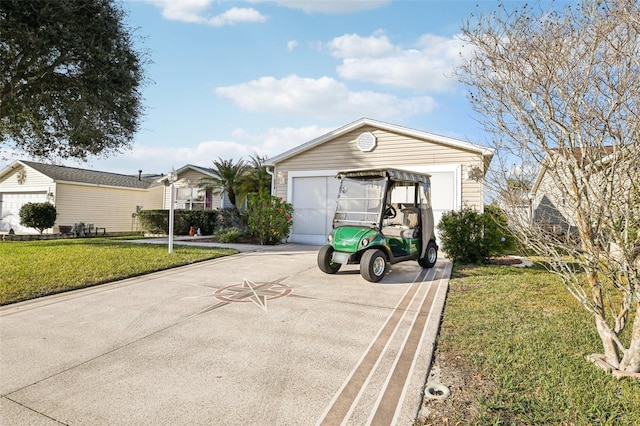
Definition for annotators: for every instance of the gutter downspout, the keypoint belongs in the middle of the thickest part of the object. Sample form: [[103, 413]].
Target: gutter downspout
[[273, 179]]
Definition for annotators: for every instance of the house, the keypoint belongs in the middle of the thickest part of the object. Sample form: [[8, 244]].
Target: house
[[106, 200], [305, 175], [549, 207], [189, 195]]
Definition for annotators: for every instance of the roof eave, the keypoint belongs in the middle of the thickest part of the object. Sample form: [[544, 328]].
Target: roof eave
[[8, 169]]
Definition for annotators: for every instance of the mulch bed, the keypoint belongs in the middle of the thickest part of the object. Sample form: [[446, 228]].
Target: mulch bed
[[505, 260]]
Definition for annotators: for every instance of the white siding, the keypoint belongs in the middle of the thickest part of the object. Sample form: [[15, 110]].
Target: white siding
[[34, 188]]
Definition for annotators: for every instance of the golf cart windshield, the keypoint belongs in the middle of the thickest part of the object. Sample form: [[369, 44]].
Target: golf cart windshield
[[360, 202]]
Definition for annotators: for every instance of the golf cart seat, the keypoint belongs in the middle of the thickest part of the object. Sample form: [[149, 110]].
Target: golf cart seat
[[409, 227]]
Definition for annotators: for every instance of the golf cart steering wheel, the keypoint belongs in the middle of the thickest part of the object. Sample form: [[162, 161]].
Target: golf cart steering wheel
[[390, 212]]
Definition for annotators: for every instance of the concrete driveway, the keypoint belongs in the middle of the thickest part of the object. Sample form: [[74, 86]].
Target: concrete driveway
[[261, 337]]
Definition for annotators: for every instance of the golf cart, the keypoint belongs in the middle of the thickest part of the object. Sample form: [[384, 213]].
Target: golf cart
[[383, 216]]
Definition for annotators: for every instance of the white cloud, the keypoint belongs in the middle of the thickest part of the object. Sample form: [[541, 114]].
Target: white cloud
[[426, 66], [328, 6], [160, 159], [292, 44], [279, 140], [236, 15], [353, 45], [195, 11], [319, 98]]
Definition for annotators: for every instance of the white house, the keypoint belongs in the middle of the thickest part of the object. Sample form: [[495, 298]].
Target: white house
[[106, 200]]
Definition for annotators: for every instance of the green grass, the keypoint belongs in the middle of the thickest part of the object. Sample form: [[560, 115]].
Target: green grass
[[37, 268], [522, 329]]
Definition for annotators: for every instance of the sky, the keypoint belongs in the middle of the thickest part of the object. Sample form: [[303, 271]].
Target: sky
[[232, 79]]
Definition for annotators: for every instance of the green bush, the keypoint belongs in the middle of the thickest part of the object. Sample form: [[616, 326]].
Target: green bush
[[232, 218], [498, 238], [461, 235], [468, 236], [228, 235], [157, 221], [40, 216], [269, 217]]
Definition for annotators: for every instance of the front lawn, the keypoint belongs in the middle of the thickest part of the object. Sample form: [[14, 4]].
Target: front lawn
[[512, 348], [37, 268]]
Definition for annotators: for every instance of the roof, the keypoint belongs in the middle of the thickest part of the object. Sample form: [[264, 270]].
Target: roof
[[600, 151], [393, 173], [204, 170], [90, 177], [603, 153], [418, 134]]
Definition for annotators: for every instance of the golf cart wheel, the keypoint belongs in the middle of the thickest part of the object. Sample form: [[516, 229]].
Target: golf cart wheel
[[432, 255], [373, 265], [324, 260]]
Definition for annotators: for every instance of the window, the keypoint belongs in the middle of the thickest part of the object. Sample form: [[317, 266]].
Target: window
[[189, 198]]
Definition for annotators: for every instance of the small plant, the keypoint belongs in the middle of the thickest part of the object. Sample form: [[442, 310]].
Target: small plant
[[40, 216], [228, 235], [269, 217]]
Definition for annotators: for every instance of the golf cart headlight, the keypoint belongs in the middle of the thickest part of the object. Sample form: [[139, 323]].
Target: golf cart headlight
[[364, 242]]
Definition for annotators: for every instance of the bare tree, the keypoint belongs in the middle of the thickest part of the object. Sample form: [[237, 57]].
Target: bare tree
[[559, 90]]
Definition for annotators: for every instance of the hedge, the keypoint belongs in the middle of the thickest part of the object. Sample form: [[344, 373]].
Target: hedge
[[157, 221]]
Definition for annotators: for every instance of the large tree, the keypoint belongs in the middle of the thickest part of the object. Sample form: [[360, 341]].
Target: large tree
[[70, 78], [559, 90]]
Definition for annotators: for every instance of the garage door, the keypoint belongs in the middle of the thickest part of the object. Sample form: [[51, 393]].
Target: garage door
[[443, 195], [314, 201], [10, 204]]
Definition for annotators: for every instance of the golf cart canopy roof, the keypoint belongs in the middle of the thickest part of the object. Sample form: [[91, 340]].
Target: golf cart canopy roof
[[393, 174]]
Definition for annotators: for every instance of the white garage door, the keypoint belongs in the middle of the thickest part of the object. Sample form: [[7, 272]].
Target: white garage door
[[444, 195], [10, 204], [314, 201]]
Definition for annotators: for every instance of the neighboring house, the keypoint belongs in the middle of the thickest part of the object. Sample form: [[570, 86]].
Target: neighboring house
[[305, 175], [549, 207], [106, 200], [189, 195]]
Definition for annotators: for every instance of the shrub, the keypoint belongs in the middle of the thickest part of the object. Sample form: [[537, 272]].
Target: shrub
[[468, 236], [461, 235], [157, 221], [40, 216], [269, 217], [231, 218], [498, 238], [228, 235]]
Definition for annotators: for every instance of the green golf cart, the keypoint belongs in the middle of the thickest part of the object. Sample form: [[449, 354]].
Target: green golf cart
[[383, 216]]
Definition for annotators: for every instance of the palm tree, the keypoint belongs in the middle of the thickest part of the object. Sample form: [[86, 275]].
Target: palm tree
[[228, 176], [257, 177]]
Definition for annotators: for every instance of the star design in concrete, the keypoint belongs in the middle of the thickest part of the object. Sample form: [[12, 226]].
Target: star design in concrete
[[250, 291]]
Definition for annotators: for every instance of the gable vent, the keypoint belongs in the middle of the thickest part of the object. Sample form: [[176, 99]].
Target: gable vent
[[367, 142]]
